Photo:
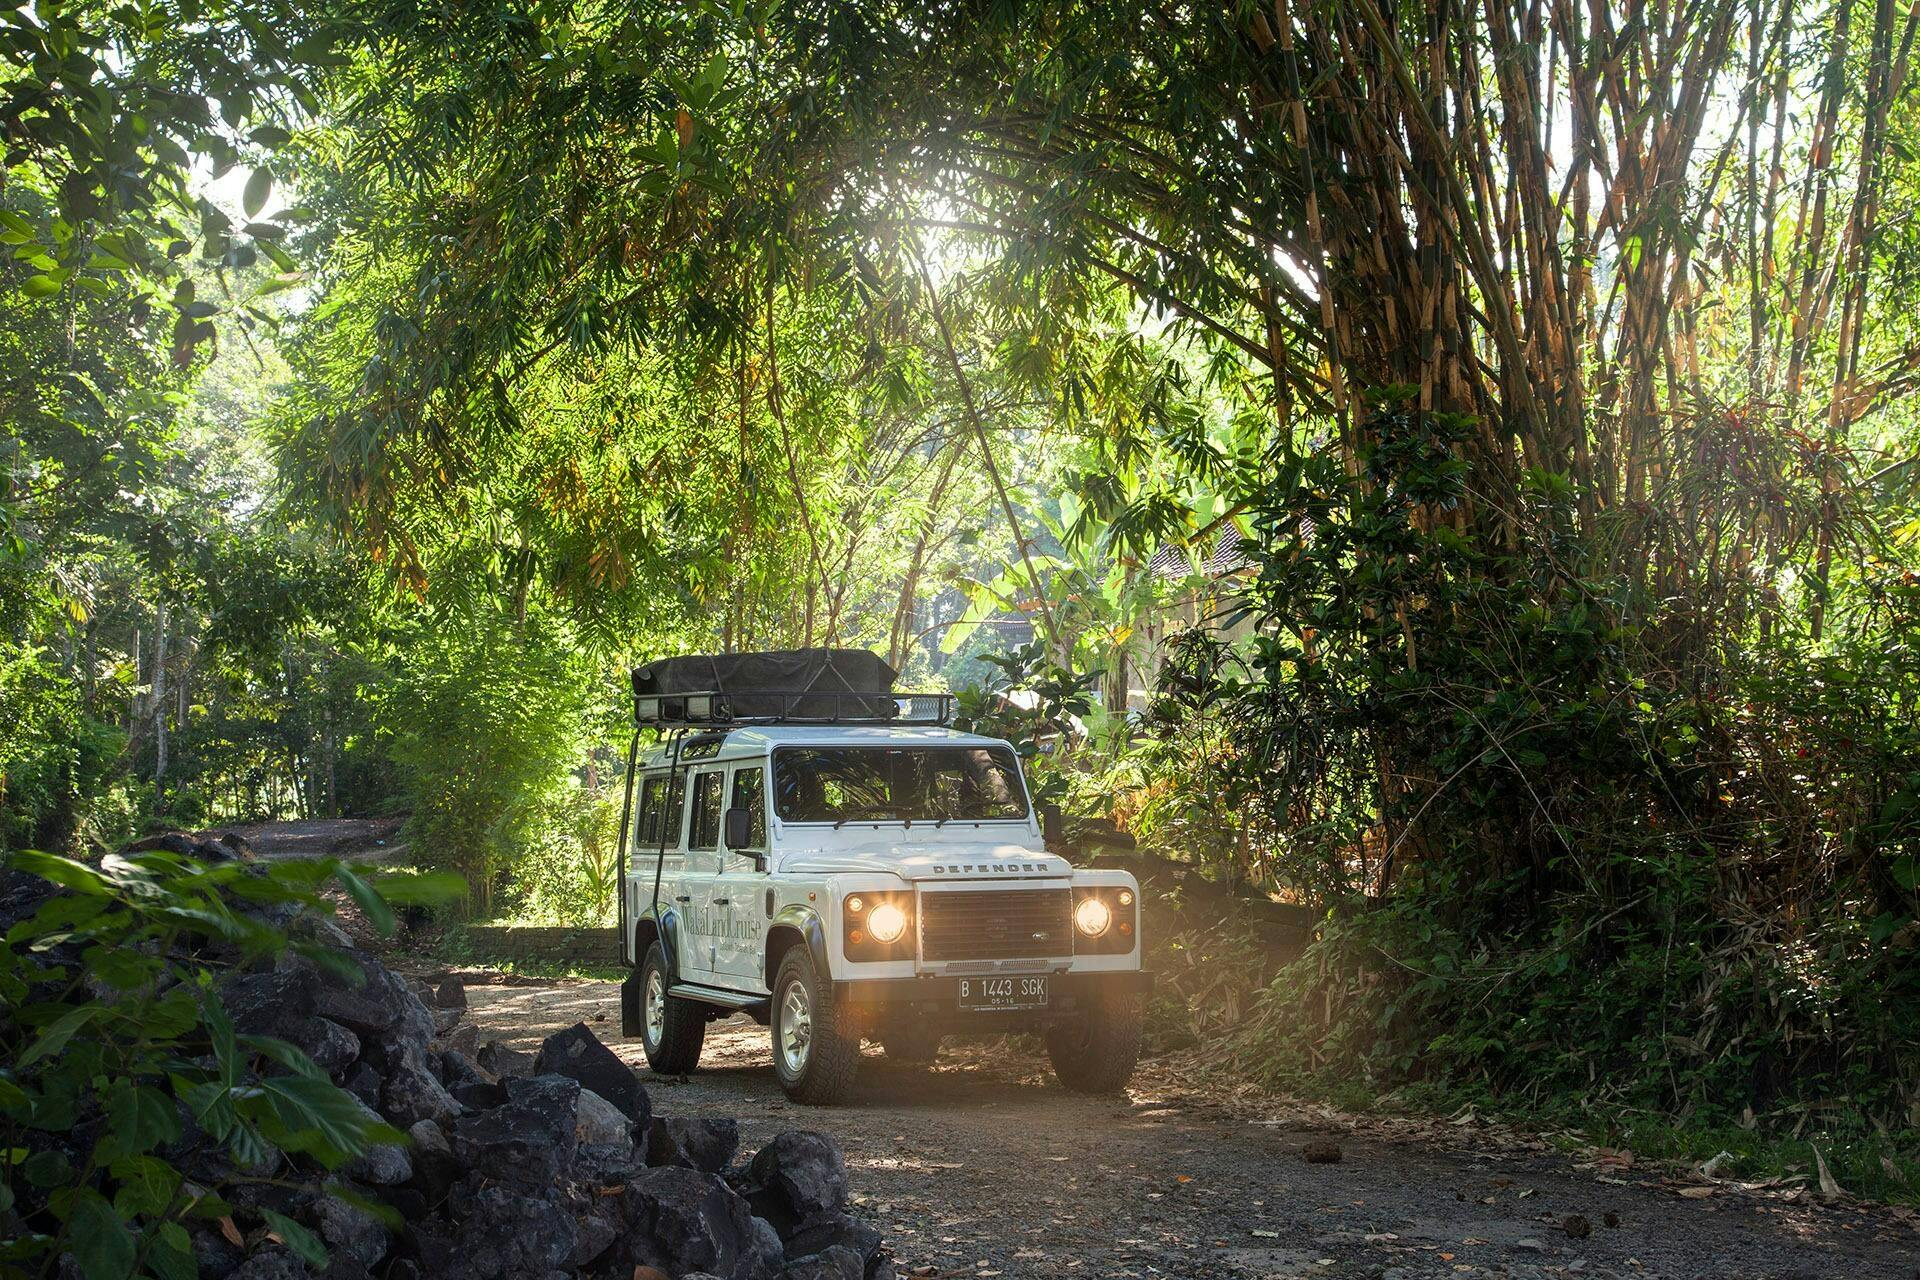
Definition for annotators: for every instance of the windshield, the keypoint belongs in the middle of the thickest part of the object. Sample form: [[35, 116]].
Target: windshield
[[917, 784]]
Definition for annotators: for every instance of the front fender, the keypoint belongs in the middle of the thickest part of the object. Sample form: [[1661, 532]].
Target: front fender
[[806, 922]]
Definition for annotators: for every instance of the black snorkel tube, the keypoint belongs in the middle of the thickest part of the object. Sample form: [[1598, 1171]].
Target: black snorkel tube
[[620, 861]]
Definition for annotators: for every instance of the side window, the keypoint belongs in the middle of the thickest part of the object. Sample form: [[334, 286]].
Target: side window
[[705, 832], [749, 793], [652, 792], [658, 820]]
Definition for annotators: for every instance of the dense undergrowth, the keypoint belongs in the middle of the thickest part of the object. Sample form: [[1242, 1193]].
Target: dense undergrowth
[[1385, 1014], [1632, 863]]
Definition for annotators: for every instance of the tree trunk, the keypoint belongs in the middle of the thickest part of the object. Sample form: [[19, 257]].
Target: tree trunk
[[157, 698]]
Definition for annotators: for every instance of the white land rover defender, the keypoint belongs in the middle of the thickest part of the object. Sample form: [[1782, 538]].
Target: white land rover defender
[[833, 859]]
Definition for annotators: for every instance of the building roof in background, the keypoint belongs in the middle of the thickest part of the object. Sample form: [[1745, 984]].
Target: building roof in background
[[1229, 553]]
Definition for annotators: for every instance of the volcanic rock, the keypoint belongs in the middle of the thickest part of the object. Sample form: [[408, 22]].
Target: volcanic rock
[[826, 1233], [577, 1053], [833, 1264], [363, 1082], [352, 1234], [412, 1092], [384, 1165], [464, 1039], [798, 1176], [332, 1047], [706, 1145], [599, 1122], [214, 1256], [502, 1061], [381, 1005], [268, 1003], [529, 1142], [682, 1220], [270, 1263], [508, 1234]]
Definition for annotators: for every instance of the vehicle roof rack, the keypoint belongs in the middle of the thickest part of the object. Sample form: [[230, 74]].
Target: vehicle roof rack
[[783, 686], [720, 709]]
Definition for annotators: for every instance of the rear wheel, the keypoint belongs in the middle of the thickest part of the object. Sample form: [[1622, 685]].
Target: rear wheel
[[816, 1048], [671, 1029], [1096, 1053]]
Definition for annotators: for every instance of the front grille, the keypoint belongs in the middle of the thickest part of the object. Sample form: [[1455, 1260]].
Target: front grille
[[995, 924]]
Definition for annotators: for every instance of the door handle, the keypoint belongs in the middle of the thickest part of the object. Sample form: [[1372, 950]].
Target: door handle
[[682, 898], [723, 902]]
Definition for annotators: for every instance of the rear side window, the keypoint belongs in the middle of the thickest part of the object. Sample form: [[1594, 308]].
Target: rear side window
[[705, 832], [750, 793], [656, 817]]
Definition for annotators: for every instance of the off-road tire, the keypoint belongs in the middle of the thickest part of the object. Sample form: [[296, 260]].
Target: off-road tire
[[673, 1048], [912, 1043], [825, 1072], [1096, 1053]]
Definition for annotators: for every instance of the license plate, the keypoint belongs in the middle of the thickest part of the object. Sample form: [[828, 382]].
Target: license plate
[[985, 994]]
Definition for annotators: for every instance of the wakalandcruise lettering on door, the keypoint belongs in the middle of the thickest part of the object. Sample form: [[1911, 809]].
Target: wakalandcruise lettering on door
[[708, 922]]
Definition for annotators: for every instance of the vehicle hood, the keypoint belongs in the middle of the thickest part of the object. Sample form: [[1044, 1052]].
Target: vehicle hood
[[916, 860]]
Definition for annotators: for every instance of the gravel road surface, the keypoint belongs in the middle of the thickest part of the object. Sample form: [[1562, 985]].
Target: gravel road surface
[[983, 1167]]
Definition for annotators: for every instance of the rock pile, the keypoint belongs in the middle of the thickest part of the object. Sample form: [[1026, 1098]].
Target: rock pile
[[557, 1167], [511, 1166]]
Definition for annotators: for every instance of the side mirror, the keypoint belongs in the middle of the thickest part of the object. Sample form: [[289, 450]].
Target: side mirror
[[739, 827], [1053, 828]]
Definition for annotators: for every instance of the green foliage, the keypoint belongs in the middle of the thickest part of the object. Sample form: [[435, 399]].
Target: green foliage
[[56, 762], [1583, 878], [487, 721], [1035, 704], [114, 1040], [566, 873]]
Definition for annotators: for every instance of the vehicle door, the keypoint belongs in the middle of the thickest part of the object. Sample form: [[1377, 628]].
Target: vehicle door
[[706, 795], [740, 889], [657, 855]]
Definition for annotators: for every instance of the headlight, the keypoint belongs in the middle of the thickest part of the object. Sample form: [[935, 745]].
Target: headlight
[[1092, 917], [877, 925], [887, 922]]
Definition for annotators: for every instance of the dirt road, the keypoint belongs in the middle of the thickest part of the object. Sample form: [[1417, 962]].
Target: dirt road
[[984, 1167], [361, 839]]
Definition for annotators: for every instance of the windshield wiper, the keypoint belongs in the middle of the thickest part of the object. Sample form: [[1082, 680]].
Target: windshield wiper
[[873, 811]]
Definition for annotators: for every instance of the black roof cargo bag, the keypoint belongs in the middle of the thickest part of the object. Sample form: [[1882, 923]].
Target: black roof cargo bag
[[768, 686]]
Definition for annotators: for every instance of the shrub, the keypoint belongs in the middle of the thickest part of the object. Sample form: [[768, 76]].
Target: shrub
[[116, 1045], [487, 722]]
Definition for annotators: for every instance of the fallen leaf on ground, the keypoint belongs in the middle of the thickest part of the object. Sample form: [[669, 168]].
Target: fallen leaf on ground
[[1828, 1187]]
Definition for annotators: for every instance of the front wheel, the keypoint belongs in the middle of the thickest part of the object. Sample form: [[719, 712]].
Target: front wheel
[[671, 1029], [1096, 1053], [816, 1049]]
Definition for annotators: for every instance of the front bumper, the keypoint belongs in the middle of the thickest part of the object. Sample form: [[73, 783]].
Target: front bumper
[[937, 996]]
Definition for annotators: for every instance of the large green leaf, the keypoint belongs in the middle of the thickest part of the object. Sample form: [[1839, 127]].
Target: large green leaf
[[54, 1036], [368, 899], [309, 1247], [259, 187], [101, 1243]]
